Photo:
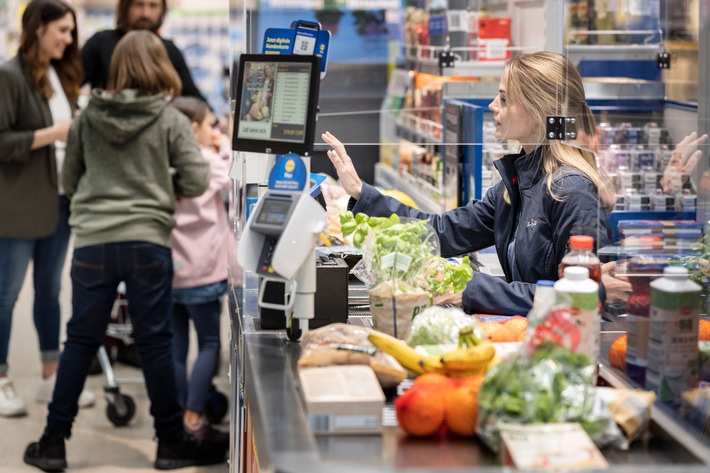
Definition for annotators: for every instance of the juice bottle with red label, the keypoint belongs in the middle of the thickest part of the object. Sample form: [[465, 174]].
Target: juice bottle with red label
[[581, 253]]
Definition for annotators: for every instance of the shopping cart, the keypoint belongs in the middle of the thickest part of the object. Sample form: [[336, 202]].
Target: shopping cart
[[120, 408]]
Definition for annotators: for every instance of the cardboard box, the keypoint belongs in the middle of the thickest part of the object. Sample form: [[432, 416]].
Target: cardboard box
[[564, 446], [494, 39], [342, 399]]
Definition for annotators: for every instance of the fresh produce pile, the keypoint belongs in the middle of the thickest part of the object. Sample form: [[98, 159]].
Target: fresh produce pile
[[514, 329], [552, 385], [405, 251], [438, 325], [473, 356], [436, 402]]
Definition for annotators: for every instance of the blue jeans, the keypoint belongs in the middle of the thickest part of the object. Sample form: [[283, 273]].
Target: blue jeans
[[48, 255], [96, 271], [193, 394]]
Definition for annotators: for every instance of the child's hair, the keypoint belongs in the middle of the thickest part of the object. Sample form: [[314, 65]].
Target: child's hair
[[195, 109], [141, 62]]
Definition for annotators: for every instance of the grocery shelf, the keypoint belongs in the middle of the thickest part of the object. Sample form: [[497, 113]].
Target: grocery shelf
[[418, 130], [426, 59], [461, 68], [388, 178], [612, 52]]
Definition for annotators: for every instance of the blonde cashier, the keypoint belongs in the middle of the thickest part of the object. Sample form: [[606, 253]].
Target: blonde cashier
[[546, 190]]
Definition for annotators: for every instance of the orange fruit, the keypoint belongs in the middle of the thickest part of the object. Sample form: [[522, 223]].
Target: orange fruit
[[617, 353], [704, 331], [420, 411], [513, 329], [462, 407], [434, 380]]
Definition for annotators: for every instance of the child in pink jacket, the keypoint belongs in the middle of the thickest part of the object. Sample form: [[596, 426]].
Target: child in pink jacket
[[200, 244]]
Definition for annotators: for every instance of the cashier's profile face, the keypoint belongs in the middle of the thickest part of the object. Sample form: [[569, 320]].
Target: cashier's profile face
[[145, 14], [512, 120]]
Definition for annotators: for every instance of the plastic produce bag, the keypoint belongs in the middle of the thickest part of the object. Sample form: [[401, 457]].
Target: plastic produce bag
[[343, 344], [551, 385], [439, 325], [396, 258]]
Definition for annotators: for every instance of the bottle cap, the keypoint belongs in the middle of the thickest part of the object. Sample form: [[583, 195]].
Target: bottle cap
[[576, 273], [581, 242], [545, 283]]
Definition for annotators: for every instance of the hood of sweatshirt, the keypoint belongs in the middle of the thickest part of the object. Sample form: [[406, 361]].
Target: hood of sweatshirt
[[118, 117]]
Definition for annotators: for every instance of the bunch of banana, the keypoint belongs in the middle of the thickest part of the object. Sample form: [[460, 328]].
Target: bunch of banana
[[475, 355], [407, 356]]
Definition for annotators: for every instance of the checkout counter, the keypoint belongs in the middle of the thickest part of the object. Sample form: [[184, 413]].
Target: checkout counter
[[270, 432]]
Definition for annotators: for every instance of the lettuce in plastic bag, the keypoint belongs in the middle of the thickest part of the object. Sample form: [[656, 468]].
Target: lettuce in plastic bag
[[439, 325], [552, 385]]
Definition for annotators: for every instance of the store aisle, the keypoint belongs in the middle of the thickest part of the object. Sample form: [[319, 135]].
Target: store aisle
[[96, 445]]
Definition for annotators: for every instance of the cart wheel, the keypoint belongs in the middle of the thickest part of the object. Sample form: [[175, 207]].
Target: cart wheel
[[293, 329], [217, 407], [121, 411]]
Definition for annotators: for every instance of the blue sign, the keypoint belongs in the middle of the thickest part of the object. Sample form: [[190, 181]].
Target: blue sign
[[288, 174], [303, 39]]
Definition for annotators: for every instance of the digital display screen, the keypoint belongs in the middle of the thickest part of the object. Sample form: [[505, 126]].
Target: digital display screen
[[274, 212], [277, 98], [274, 101]]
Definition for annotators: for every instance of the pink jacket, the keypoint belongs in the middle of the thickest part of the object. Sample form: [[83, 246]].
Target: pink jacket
[[202, 235]]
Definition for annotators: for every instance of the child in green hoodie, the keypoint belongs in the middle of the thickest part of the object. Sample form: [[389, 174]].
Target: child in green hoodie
[[129, 156]]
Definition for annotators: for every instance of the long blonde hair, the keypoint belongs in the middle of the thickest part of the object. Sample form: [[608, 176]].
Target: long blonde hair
[[548, 84], [141, 62]]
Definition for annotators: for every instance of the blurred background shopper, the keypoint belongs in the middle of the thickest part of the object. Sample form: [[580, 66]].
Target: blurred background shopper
[[132, 15], [38, 92]]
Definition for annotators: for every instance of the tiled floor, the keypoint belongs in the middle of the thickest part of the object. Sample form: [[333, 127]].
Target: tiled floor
[[96, 445]]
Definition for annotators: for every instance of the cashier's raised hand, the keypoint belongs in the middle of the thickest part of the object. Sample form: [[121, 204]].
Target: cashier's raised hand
[[343, 166]]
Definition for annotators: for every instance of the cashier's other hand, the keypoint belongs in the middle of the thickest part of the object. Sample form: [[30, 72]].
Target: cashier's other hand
[[449, 299], [343, 166], [617, 290], [683, 160]]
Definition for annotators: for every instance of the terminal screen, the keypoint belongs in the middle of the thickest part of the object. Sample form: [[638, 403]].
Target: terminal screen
[[274, 101], [274, 212]]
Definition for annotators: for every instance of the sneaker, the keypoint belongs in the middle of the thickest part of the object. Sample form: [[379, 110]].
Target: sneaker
[[188, 452], [10, 403], [48, 454], [45, 388], [205, 433]]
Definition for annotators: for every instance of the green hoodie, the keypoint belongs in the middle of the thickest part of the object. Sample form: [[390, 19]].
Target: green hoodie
[[128, 157]]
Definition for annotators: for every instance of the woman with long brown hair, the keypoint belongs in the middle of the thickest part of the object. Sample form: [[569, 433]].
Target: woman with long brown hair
[[38, 92]]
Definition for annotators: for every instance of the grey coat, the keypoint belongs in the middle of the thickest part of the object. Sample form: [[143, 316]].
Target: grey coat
[[28, 178]]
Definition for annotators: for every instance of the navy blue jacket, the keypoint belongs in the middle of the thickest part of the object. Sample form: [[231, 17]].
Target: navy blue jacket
[[539, 224]]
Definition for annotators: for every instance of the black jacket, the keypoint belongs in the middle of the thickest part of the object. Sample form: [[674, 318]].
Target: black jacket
[[28, 178], [539, 224], [96, 58]]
